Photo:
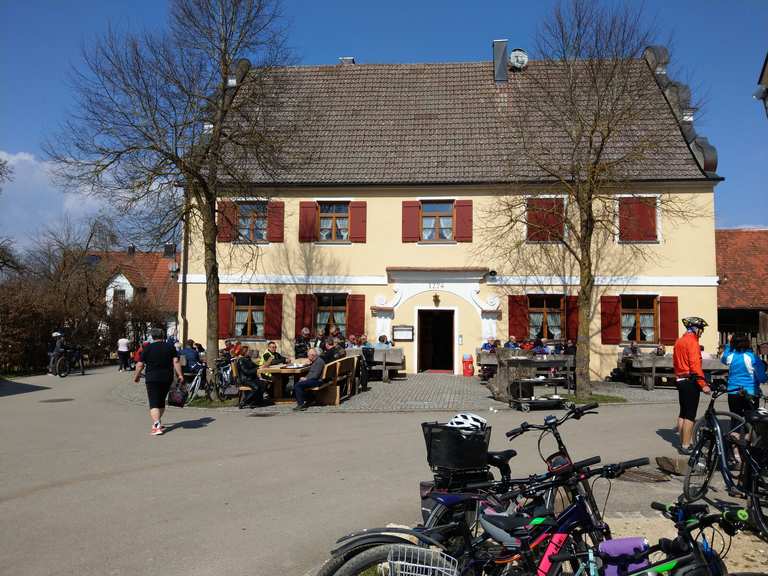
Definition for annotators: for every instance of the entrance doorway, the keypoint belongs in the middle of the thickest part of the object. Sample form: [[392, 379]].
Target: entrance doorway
[[435, 340]]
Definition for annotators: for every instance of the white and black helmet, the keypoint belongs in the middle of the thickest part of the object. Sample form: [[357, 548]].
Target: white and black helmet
[[468, 421]]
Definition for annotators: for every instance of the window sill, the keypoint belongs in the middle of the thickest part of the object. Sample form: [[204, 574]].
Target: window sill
[[251, 243], [333, 242], [657, 241], [436, 242], [553, 242]]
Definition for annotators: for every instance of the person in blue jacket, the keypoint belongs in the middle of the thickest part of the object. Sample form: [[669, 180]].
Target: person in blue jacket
[[745, 374]]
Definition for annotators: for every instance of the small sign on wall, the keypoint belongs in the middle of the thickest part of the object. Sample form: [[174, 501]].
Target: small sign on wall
[[402, 333]]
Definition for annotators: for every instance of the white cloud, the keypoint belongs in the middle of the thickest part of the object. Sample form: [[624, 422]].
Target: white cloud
[[31, 201]]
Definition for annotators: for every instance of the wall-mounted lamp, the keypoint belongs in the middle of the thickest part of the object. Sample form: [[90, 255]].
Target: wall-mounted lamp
[[436, 300]]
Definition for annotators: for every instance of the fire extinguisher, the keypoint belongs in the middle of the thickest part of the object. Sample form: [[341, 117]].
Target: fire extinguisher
[[469, 367]]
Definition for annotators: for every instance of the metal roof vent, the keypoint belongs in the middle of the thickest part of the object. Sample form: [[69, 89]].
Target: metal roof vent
[[500, 60], [518, 59], [346, 60]]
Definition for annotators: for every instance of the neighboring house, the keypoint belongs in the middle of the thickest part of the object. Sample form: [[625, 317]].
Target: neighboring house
[[762, 85], [742, 297], [152, 276], [383, 228]]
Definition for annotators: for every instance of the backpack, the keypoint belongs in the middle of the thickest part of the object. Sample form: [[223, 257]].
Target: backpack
[[177, 395]]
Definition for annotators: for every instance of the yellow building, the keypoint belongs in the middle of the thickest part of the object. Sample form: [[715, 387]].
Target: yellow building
[[386, 228]]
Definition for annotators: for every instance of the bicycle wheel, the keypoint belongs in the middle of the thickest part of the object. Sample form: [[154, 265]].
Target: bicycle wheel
[[62, 367], [759, 499], [374, 562], [466, 514], [724, 418], [701, 465], [192, 389]]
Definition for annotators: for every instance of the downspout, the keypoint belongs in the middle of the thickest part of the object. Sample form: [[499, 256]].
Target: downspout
[[184, 266]]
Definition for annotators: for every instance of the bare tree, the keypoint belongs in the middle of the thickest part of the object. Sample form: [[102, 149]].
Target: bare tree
[[170, 122], [6, 172], [8, 259], [589, 129]]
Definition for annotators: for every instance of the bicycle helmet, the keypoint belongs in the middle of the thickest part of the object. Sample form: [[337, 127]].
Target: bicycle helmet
[[468, 421], [695, 322]]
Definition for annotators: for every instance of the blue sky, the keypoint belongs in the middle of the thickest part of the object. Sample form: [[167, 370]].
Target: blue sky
[[718, 47]]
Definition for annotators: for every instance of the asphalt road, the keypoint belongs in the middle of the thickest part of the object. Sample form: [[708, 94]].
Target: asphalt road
[[85, 490]]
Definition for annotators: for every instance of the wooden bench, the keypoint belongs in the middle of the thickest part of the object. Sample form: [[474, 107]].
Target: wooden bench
[[386, 359], [338, 382]]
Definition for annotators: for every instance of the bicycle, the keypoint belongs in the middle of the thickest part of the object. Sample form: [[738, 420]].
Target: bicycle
[[747, 442], [510, 543], [691, 552], [199, 382], [71, 358]]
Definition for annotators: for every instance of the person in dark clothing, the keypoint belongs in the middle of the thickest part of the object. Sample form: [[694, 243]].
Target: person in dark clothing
[[333, 351], [271, 356], [162, 362], [302, 343], [55, 351], [312, 379], [570, 348], [249, 376], [191, 355]]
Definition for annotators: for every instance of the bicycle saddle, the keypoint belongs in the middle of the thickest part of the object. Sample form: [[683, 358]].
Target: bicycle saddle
[[519, 526], [501, 457]]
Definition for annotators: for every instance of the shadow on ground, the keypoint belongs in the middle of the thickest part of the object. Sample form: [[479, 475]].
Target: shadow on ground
[[11, 388], [668, 436], [191, 424]]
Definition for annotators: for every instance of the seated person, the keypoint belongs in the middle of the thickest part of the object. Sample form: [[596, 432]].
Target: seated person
[[382, 344], [363, 341], [539, 347], [319, 340], [302, 344], [527, 345], [490, 345], [237, 349], [632, 350], [511, 343], [570, 348], [497, 344], [271, 356], [191, 356], [351, 342], [249, 376], [333, 351], [548, 346], [660, 350], [312, 379]]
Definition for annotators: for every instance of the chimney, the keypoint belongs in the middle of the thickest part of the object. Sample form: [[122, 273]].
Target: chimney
[[169, 250], [500, 59], [346, 60], [131, 250]]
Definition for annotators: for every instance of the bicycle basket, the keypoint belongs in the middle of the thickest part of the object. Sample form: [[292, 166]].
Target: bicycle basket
[[414, 561], [452, 449]]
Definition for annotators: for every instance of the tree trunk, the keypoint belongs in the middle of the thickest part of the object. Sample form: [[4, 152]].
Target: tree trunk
[[586, 288], [208, 213]]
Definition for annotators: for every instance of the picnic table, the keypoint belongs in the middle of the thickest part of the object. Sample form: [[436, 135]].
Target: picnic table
[[386, 359], [649, 370], [280, 373], [558, 371]]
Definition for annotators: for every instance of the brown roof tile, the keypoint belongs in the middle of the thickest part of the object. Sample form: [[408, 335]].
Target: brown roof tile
[[742, 265], [439, 123]]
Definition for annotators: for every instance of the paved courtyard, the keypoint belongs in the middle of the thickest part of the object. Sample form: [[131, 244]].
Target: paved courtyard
[[85, 490]]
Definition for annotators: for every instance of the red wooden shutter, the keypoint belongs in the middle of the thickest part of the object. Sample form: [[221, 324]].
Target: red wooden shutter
[[273, 316], [226, 302], [307, 221], [305, 313], [227, 221], [463, 225], [357, 221], [668, 330], [572, 317], [637, 219], [355, 314], [610, 319], [545, 219], [275, 221], [518, 317], [411, 216]]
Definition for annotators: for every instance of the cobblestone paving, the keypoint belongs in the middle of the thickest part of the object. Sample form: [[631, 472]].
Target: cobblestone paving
[[414, 393]]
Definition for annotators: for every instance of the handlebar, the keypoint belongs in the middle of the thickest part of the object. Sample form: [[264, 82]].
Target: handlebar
[[577, 412]]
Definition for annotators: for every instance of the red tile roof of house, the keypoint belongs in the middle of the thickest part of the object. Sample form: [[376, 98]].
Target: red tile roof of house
[[742, 265], [445, 123], [148, 270]]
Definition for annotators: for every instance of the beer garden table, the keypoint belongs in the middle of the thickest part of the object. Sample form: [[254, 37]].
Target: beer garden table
[[280, 374]]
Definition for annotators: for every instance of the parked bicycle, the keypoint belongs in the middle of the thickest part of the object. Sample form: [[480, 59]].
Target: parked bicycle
[[71, 359], [739, 450]]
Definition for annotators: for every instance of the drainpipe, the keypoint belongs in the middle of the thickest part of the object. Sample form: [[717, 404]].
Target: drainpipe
[[184, 266]]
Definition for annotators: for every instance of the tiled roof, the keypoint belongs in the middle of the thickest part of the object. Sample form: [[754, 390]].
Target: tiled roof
[[742, 265], [147, 270], [442, 123]]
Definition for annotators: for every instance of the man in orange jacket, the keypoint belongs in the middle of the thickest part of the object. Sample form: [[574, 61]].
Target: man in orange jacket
[[690, 378]]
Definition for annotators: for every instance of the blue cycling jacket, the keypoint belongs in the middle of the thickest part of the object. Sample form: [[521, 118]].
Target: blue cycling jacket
[[745, 371]]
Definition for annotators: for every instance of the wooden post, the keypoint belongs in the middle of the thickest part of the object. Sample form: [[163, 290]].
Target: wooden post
[[652, 383]]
